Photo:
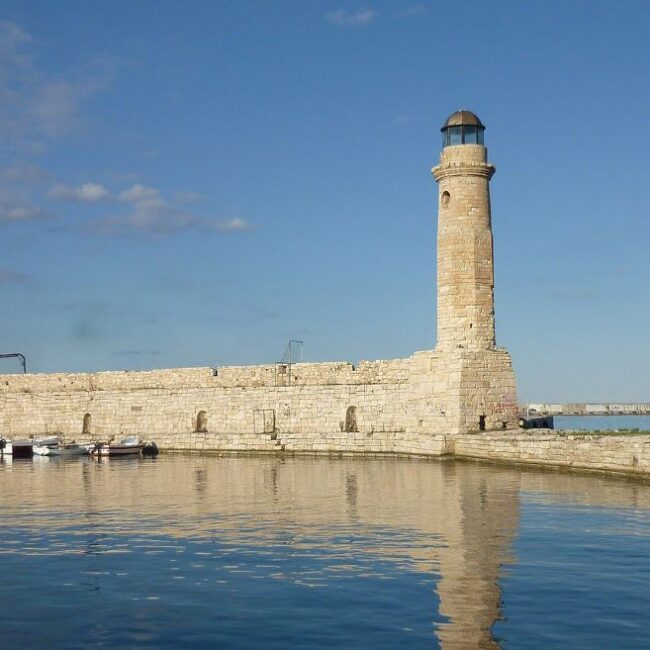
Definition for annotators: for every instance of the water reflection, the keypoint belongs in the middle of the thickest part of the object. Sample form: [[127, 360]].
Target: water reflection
[[308, 521]]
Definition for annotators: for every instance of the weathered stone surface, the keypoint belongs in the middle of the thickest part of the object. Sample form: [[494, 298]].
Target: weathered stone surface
[[625, 454]]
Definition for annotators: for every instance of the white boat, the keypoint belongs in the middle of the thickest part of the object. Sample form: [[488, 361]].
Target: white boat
[[70, 449], [26, 447], [129, 445]]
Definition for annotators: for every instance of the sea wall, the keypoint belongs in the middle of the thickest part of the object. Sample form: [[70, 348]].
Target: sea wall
[[625, 454], [414, 406], [426, 394], [231, 401], [622, 454]]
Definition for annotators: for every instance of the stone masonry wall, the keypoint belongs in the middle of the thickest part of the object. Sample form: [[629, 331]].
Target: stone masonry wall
[[459, 391], [422, 395], [411, 408], [624, 454], [301, 398], [367, 372]]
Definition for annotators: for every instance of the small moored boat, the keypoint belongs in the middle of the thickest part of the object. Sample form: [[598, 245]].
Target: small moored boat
[[24, 448], [70, 449], [129, 445]]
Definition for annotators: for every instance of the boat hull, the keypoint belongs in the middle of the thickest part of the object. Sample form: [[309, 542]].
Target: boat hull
[[117, 450], [66, 450]]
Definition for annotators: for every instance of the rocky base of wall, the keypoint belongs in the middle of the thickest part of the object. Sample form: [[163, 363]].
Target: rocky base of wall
[[333, 442], [623, 454]]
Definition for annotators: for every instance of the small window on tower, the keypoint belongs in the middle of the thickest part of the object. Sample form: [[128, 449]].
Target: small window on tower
[[444, 199]]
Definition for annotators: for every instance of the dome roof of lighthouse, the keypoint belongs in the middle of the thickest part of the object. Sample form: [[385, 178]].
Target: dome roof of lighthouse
[[463, 118]]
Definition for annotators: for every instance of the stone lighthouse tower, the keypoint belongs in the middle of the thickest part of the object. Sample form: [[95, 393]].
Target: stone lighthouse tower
[[465, 257], [466, 384]]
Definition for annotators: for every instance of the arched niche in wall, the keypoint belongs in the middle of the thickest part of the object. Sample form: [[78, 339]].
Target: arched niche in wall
[[201, 422], [86, 423], [351, 419]]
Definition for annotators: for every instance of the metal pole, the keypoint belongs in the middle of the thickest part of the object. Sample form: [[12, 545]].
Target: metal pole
[[19, 356]]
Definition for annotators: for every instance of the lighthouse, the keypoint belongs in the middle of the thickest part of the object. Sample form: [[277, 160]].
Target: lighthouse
[[467, 383], [465, 308]]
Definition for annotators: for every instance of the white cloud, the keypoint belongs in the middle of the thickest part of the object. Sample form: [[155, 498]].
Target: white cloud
[[359, 18], [17, 205], [154, 216], [138, 192], [21, 213], [157, 216], [232, 225], [86, 193], [148, 212], [36, 105]]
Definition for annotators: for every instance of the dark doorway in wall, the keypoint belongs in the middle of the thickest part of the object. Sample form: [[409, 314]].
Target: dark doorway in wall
[[86, 424], [202, 422], [351, 419], [481, 422]]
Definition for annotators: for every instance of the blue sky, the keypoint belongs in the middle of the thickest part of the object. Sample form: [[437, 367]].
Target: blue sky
[[194, 183]]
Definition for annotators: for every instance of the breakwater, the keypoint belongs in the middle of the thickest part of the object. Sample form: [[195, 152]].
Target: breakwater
[[430, 392], [385, 407]]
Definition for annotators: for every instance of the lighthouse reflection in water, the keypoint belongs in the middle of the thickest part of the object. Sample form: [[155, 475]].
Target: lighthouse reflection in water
[[248, 552]]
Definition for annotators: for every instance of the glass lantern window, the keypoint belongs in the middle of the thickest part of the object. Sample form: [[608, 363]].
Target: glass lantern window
[[465, 134], [469, 135], [455, 135]]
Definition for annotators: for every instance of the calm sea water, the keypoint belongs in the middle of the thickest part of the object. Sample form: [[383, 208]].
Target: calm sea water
[[603, 422], [188, 551]]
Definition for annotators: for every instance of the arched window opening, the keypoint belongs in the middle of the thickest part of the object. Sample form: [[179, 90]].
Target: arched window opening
[[481, 422], [351, 419], [86, 424], [202, 422]]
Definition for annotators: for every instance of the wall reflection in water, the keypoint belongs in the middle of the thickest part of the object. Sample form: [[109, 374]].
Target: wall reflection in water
[[452, 522]]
